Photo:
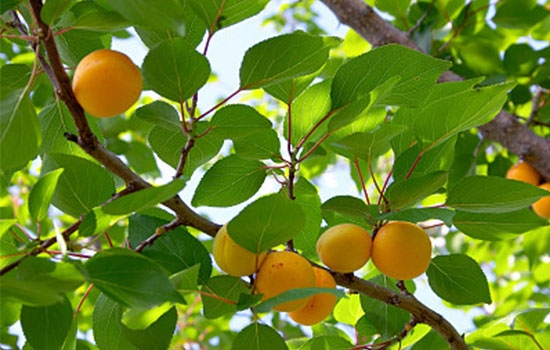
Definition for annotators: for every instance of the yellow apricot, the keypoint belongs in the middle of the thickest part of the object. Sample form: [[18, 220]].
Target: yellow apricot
[[318, 306], [344, 248], [106, 83], [401, 250], [282, 271], [524, 172], [232, 258], [542, 206]]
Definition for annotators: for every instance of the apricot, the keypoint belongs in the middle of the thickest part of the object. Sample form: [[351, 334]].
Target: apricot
[[401, 250], [524, 172], [318, 306], [542, 206], [106, 83], [232, 258], [344, 248], [282, 271]]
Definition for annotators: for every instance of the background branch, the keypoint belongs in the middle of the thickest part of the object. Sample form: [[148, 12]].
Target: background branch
[[505, 128]]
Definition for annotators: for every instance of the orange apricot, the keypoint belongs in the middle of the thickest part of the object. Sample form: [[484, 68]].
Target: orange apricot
[[542, 206], [232, 258], [401, 250], [522, 171], [344, 248], [106, 83], [282, 271], [318, 306]]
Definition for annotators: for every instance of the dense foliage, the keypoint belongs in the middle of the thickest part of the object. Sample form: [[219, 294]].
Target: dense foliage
[[99, 251]]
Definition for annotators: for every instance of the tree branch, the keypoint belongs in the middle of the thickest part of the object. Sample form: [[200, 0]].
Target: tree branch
[[505, 128]]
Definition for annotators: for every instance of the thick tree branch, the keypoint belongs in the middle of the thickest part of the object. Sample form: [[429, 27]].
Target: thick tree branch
[[88, 141], [504, 128]]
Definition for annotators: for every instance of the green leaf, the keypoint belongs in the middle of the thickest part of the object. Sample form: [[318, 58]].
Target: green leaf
[[489, 194], [295, 294], [348, 310], [143, 199], [415, 215], [175, 250], [20, 134], [162, 14], [308, 199], [74, 45], [327, 342], [91, 16], [457, 278], [288, 90], [160, 113], [40, 282], [97, 221], [358, 77], [497, 226], [111, 334], [7, 243], [185, 281], [432, 340], [139, 319], [258, 336], [46, 327], [54, 9], [233, 11], [267, 222], [221, 294], [396, 8], [131, 279], [280, 58], [82, 185], [41, 194], [252, 133], [347, 209], [230, 181], [519, 14], [407, 192], [174, 70]]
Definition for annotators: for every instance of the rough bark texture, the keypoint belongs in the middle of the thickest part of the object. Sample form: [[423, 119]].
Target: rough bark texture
[[504, 129]]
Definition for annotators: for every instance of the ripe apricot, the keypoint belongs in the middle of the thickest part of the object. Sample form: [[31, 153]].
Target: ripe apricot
[[232, 258], [542, 206], [282, 271], [344, 248], [106, 83], [401, 250], [524, 172], [318, 306]]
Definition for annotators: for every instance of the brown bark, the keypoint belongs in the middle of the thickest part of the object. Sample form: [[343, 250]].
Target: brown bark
[[505, 128]]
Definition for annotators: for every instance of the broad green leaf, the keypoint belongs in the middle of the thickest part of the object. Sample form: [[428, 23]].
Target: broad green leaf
[[388, 319], [174, 70], [230, 181], [520, 59], [97, 221], [141, 158], [348, 310], [347, 209], [358, 77], [176, 250], [307, 111], [432, 340], [186, 281], [535, 244], [295, 294], [258, 336], [8, 4], [232, 11], [46, 327], [327, 342], [130, 279], [519, 14], [457, 278], [52, 10], [7, 243], [74, 45], [162, 14], [283, 57], [267, 222], [308, 199], [40, 282], [396, 8], [221, 294], [20, 135], [41, 194], [415, 215], [82, 185], [139, 319], [252, 134], [490, 194], [531, 320], [497, 226], [146, 198], [460, 111], [111, 334], [289, 90], [92, 16], [160, 113], [70, 341], [407, 192]]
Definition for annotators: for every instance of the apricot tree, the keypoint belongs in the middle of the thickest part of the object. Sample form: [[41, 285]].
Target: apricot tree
[[424, 106]]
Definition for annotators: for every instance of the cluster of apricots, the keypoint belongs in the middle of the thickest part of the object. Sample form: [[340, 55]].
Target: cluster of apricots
[[522, 171], [400, 250], [106, 83]]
